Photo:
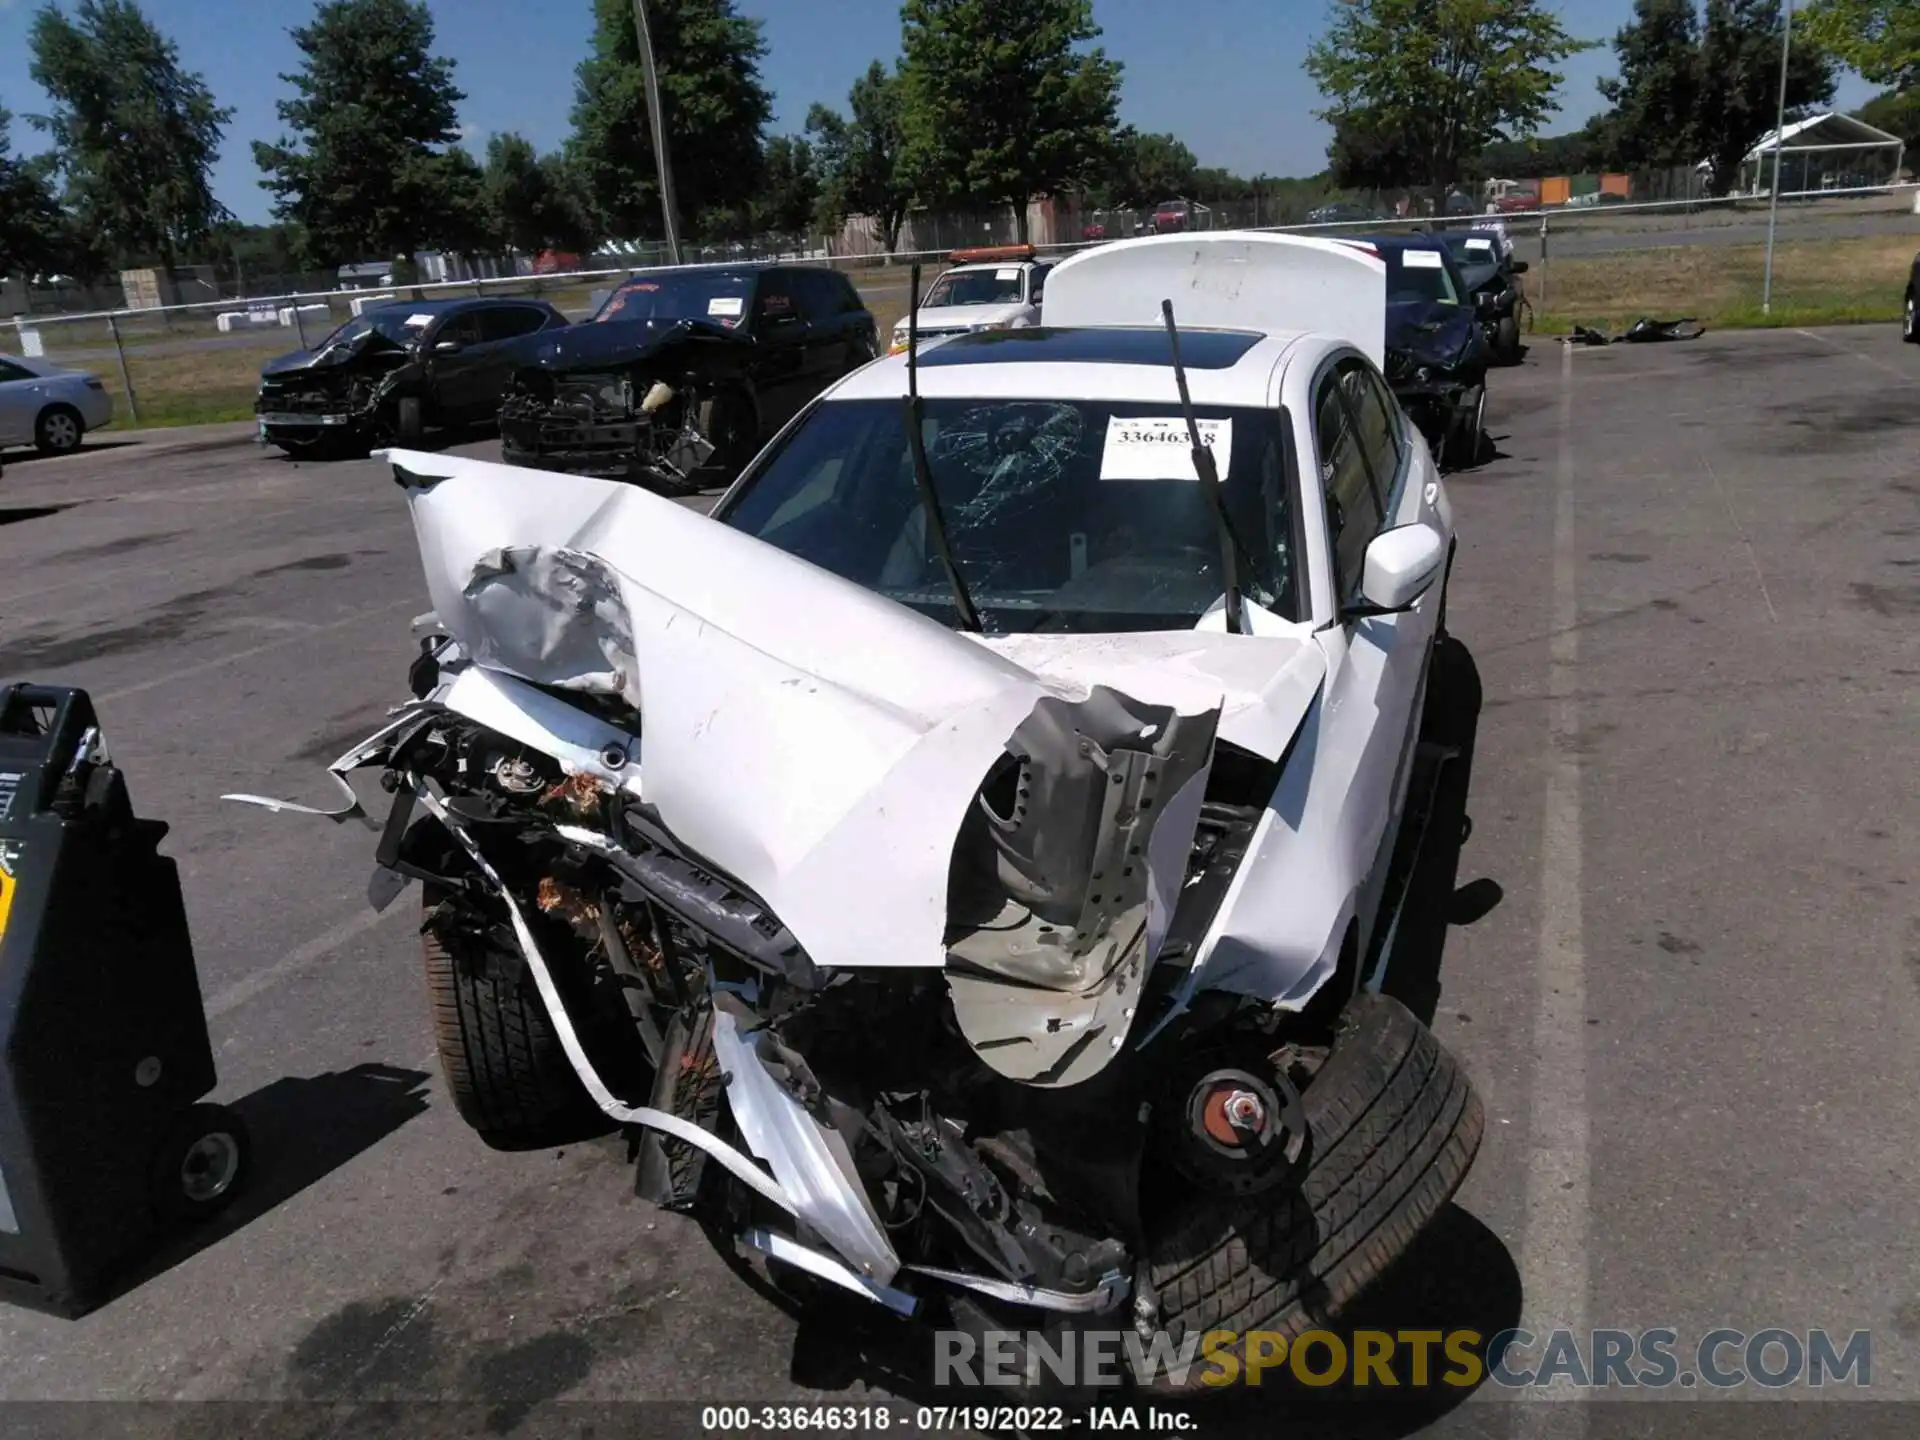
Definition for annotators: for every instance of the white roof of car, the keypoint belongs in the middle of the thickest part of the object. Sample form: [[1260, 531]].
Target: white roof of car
[[1123, 363]]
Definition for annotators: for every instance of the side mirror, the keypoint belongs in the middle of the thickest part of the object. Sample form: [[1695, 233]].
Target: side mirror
[[1401, 565], [1518, 267]]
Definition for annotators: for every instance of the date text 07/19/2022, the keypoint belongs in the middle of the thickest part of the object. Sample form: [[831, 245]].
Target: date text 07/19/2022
[[939, 1419]]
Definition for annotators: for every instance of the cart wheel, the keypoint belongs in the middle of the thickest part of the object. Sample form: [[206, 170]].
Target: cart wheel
[[201, 1164]]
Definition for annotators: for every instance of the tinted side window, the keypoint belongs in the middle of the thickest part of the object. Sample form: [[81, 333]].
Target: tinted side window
[[509, 321], [463, 328], [774, 301], [10, 371], [820, 298], [1377, 427], [1353, 515]]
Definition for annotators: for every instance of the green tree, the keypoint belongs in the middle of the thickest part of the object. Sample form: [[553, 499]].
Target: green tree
[[530, 200], [1739, 83], [1437, 81], [1655, 96], [35, 238], [1370, 152], [713, 105], [790, 190], [1880, 39], [1898, 113], [367, 170], [1146, 169], [1578, 152], [134, 135], [1001, 103], [861, 155]]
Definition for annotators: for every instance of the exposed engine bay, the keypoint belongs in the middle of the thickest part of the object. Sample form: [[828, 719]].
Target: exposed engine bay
[[919, 1149], [343, 399], [620, 424]]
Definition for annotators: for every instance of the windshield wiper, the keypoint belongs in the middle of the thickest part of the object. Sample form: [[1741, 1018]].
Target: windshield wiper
[[923, 472], [1203, 466]]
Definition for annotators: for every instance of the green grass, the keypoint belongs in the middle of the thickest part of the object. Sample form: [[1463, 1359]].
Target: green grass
[[1815, 282]]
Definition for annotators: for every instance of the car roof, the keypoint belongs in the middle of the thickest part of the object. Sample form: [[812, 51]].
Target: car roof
[[1124, 363], [458, 302]]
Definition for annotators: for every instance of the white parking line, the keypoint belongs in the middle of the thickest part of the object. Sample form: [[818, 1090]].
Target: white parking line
[[1905, 377], [257, 982], [205, 665], [1554, 1252]]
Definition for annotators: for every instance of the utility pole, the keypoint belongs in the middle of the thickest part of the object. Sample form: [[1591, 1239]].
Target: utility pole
[[1779, 144], [663, 167]]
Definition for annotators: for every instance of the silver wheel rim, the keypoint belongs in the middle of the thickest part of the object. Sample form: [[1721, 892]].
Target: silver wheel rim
[[208, 1169], [1908, 323], [62, 433]]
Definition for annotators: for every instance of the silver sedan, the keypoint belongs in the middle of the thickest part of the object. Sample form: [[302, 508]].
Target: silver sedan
[[48, 407]]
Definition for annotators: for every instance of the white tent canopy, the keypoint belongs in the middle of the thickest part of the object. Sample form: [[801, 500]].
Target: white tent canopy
[[1823, 152]]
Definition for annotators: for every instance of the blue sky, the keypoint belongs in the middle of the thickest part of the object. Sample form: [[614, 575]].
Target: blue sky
[[1224, 75]]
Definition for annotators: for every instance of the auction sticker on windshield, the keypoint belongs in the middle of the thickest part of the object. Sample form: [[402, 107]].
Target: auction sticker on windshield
[[1421, 259], [725, 305], [1011, 274], [1159, 448], [419, 320]]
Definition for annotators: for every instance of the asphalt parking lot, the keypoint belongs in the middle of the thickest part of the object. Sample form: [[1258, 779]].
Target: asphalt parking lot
[[1679, 948]]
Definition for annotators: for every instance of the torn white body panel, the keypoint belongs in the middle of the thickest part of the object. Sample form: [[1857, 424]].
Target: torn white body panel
[[1235, 280], [800, 732], [1264, 683]]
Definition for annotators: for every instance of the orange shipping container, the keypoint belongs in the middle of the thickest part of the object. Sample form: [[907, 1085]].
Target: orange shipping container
[[1555, 189], [1621, 185]]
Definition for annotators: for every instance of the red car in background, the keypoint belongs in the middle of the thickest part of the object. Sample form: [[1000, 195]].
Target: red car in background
[[1171, 216]]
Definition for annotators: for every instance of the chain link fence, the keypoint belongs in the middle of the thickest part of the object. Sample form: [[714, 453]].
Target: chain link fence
[[1841, 255]]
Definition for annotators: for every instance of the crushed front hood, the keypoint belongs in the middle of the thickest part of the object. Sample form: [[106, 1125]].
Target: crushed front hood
[[618, 342], [818, 742]]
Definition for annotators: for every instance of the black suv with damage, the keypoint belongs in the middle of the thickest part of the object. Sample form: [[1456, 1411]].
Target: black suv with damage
[[682, 374], [1437, 351], [397, 369]]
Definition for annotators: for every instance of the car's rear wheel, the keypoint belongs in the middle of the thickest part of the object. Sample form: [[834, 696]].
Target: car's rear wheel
[[1909, 327], [58, 430]]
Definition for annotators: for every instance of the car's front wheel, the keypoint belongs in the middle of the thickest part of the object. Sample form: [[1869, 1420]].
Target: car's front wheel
[[1394, 1127], [58, 430]]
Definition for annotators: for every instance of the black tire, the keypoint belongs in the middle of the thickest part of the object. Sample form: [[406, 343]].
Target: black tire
[[1506, 340], [1909, 324], [199, 1165], [508, 1076], [58, 430], [728, 420], [409, 420], [1462, 445], [1395, 1126]]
